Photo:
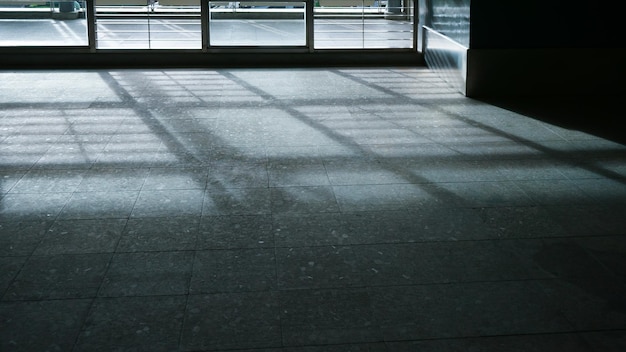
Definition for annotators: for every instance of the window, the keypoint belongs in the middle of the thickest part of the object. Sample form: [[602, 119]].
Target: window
[[42, 23], [209, 25]]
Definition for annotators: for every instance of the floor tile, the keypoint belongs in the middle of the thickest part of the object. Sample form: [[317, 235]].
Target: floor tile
[[586, 219], [439, 262], [413, 154], [553, 192], [490, 194], [81, 236], [297, 230], [426, 223], [535, 343], [10, 178], [607, 250], [32, 206], [112, 179], [176, 178], [356, 173], [59, 277], [319, 317], [605, 191], [59, 157], [283, 174], [94, 205], [236, 270], [236, 201], [612, 341], [317, 267], [41, 325], [291, 154], [367, 347], [522, 222], [134, 322], [532, 169], [167, 202], [589, 303], [9, 267], [20, 238], [146, 274], [441, 311], [310, 199], [232, 321], [235, 231], [159, 234], [237, 174], [455, 170], [383, 197]]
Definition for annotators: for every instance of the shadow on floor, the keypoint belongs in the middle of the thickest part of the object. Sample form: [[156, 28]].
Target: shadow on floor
[[602, 116]]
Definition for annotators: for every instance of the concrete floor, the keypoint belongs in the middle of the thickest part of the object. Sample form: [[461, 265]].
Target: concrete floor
[[300, 210]]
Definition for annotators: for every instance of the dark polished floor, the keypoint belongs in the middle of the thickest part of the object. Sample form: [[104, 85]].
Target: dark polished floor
[[301, 210]]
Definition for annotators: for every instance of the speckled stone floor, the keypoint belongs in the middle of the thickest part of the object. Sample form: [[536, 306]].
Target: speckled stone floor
[[300, 210]]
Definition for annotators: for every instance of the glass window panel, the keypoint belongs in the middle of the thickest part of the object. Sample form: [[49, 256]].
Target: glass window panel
[[257, 23], [397, 33], [148, 24], [40, 23], [177, 24], [363, 24]]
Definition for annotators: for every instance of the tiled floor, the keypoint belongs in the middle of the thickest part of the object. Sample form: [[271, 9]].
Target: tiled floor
[[300, 210]]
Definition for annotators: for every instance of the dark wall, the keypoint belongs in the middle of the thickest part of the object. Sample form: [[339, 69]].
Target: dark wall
[[561, 61], [498, 24], [546, 48]]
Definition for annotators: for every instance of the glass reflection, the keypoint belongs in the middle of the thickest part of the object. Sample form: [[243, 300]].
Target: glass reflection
[[42, 23], [148, 24], [363, 24], [256, 23]]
